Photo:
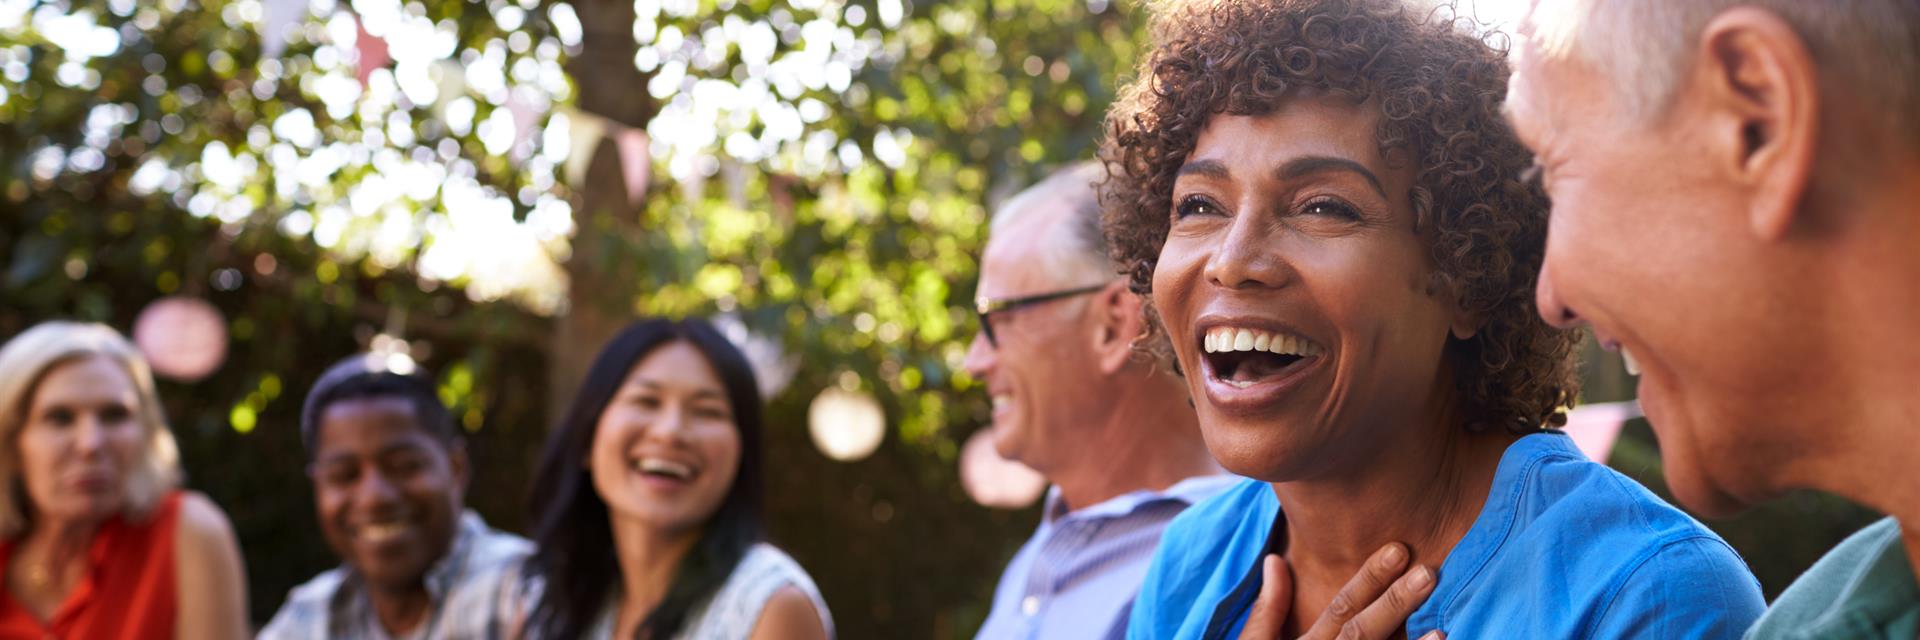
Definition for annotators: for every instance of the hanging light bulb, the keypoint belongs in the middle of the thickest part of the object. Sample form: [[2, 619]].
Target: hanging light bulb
[[994, 481], [846, 425], [183, 338]]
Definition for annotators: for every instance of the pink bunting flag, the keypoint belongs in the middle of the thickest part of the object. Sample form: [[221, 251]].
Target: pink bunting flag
[[372, 52], [636, 163], [1595, 427], [525, 116]]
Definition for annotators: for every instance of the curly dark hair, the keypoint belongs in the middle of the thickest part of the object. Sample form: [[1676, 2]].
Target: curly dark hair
[[1438, 84]]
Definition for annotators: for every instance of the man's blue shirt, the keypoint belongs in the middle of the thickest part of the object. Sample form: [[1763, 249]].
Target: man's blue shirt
[[1563, 548]]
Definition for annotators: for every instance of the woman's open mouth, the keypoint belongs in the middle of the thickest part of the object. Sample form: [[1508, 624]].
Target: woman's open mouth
[[1245, 367]]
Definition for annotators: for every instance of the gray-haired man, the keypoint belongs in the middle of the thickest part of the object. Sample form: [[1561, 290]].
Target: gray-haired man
[[1734, 189], [1111, 431]]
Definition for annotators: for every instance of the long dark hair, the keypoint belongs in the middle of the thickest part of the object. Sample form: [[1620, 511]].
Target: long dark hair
[[572, 533]]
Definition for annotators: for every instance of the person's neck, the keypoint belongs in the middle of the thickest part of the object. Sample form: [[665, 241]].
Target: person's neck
[[400, 609], [1423, 490], [649, 558], [62, 539], [1873, 307], [1148, 440], [55, 550]]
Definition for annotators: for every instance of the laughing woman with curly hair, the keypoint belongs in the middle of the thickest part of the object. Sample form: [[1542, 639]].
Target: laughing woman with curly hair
[[1325, 211]]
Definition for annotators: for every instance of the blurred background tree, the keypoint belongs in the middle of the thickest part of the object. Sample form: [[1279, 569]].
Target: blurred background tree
[[491, 187]]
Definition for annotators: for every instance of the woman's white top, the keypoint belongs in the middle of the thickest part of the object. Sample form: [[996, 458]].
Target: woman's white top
[[733, 610]]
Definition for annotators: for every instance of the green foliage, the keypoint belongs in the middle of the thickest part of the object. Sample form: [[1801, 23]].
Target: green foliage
[[854, 239], [822, 168], [153, 149]]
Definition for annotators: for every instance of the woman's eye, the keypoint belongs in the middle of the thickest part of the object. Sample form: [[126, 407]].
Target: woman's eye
[[60, 417], [711, 413], [1196, 206], [1332, 208], [115, 415]]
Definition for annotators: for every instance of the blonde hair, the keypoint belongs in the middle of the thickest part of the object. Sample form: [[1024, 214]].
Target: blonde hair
[[1869, 48], [25, 360]]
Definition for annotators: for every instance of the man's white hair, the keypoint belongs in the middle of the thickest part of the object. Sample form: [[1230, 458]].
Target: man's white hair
[[1079, 257], [1868, 48]]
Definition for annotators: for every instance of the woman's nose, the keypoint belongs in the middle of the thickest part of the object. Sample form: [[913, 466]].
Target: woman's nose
[[89, 434], [669, 424], [1247, 256]]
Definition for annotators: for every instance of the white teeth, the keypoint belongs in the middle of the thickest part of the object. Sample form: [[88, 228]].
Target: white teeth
[[1633, 366], [663, 467], [381, 532], [1225, 339], [1002, 402]]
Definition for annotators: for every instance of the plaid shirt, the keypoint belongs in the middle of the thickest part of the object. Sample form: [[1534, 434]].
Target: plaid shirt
[[471, 591]]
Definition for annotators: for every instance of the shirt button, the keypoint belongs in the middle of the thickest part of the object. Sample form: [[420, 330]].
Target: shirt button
[[1031, 605]]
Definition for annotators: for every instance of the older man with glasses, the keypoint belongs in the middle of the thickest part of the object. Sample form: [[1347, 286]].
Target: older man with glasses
[[1072, 399]]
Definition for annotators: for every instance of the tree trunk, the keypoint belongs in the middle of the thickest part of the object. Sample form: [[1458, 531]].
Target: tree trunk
[[600, 299]]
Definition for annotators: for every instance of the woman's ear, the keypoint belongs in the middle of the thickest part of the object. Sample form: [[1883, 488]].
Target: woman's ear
[[1461, 324], [1465, 326]]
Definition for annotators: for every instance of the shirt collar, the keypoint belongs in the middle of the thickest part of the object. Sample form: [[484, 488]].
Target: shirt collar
[[1189, 491], [441, 576], [1882, 591], [1492, 526]]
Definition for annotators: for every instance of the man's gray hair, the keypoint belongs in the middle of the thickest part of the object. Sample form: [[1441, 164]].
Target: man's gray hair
[[1083, 253], [1869, 48]]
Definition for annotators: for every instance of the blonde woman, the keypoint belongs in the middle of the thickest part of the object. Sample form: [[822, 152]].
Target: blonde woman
[[96, 538]]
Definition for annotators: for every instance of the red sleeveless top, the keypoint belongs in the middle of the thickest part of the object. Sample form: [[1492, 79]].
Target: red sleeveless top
[[127, 591]]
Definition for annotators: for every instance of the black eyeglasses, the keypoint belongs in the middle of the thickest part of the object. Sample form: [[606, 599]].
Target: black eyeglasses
[[986, 307]]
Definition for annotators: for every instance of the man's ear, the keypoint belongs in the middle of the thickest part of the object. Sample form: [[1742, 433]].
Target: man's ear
[[457, 462], [1118, 325], [1760, 90]]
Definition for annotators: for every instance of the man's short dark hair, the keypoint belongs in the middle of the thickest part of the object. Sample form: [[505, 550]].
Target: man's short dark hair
[[368, 376]]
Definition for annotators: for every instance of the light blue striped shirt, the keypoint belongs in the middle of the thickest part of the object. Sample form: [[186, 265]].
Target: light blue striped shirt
[[1077, 576]]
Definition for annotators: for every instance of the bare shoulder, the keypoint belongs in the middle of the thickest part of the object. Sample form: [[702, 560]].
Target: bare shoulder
[[789, 615], [211, 576], [201, 521]]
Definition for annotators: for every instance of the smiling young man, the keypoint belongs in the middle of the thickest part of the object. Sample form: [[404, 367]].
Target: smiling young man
[[389, 473], [1734, 189]]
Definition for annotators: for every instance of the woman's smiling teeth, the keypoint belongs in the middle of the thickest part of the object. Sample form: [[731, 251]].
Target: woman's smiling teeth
[[1229, 339], [663, 467], [1241, 356]]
